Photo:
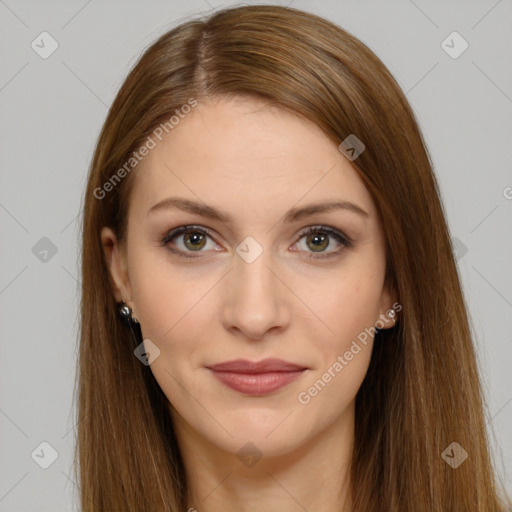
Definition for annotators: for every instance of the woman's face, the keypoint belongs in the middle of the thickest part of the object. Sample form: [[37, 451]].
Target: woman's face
[[253, 286]]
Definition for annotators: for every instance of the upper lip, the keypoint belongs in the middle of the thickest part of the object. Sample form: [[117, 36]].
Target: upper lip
[[263, 366]]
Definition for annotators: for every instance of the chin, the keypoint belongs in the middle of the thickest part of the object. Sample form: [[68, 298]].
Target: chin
[[273, 432], [257, 443]]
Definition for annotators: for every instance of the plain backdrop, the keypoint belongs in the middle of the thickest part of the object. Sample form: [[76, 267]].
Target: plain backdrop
[[51, 112]]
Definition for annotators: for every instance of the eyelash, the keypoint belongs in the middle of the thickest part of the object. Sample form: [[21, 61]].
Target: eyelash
[[337, 235]]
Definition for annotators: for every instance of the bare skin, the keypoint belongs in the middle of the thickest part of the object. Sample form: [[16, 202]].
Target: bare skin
[[255, 163]]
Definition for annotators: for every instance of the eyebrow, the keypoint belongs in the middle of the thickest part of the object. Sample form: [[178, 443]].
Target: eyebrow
[[294, 214]]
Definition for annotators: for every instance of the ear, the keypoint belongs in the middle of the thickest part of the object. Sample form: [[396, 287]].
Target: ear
[[389, 300], [115, 259]]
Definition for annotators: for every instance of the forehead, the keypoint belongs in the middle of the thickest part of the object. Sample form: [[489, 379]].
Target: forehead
[[242, 155]]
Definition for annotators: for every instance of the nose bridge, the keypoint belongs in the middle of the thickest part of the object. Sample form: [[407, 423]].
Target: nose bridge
[[251, 265], [255, 301]]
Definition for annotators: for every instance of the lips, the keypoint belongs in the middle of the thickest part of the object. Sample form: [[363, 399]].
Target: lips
[[256, 378], [264, 366]]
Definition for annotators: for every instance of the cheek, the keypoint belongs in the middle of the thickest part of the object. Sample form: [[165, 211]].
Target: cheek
[[348, 307], [172, 305], [170, 308], [345, 305]]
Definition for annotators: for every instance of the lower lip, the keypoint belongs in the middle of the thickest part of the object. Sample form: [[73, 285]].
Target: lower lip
[[256, 383]]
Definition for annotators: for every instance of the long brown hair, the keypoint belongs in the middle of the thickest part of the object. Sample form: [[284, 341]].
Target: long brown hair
[[422, 390]]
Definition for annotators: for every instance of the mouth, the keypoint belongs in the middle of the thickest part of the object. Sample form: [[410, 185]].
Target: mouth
[[256, 378]]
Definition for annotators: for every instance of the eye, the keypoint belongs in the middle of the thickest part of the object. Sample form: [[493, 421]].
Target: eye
[[317, 239], [192, 238]]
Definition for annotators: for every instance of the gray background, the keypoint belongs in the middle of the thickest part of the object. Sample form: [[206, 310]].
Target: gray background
[[52, 110]]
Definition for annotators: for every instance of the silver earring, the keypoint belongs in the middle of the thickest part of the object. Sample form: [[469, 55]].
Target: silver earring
[[125, 312], [391, 313]]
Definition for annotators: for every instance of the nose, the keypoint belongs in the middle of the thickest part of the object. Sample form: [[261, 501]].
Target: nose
[[255, 300]]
